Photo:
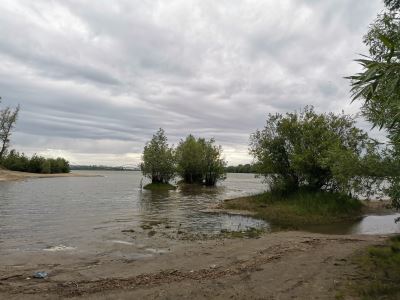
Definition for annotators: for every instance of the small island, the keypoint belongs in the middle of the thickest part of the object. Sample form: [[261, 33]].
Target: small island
[[195, 161]]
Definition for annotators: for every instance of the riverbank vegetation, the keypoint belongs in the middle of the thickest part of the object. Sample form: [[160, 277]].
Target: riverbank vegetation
[[379, 270], [301, 207], [315, 166], [320, 152], [15, 161], [196, 161]]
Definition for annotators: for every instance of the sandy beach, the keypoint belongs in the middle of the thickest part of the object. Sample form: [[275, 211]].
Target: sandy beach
[[283, 265], [6, 175]]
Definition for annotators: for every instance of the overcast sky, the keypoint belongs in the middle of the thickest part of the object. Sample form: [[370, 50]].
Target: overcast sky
[[95, 79]]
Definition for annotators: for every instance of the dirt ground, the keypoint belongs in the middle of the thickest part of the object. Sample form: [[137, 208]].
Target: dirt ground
[[282, 265]]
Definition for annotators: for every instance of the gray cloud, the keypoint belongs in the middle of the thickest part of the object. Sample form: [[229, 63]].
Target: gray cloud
[[95, 80]]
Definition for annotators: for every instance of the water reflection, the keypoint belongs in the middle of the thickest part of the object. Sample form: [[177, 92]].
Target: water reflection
[[183, 207], [382, 224]]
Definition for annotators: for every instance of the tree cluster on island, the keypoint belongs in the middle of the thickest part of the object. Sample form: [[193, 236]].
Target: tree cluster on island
[[196, 161]]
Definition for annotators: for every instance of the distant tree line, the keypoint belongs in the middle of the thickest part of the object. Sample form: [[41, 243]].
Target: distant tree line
[[16, 161], [195, 160], [246, 168], [100, 168]]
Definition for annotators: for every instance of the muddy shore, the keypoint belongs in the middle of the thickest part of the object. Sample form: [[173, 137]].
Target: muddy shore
[[282, 265], [6, 175]]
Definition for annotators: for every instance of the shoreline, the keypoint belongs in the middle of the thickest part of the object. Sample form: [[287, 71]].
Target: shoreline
[[371, 207], [310, 265], [281, 213], [7, 175]]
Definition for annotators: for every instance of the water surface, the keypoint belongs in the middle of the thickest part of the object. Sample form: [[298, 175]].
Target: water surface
[[81, 212], [90, 213]]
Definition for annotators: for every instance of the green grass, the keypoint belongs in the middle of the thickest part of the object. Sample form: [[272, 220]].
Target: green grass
[[299, 208], [379, 267], [159, 187]]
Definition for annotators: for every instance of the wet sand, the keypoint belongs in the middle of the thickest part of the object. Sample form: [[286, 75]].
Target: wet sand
[[282, 265], [6, 175]]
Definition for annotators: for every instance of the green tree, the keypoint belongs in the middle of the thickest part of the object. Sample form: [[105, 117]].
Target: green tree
[[189, 158], [317, 151], [200, 161], [35, 164], [158, 161], [8, 118], [392, 4], [16, 161], [378, 84], [213, 162]]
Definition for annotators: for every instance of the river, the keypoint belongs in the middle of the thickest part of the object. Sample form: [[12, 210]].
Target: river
[[91, 213]]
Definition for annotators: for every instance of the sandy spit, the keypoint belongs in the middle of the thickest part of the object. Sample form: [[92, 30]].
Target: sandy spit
[[6, 175]]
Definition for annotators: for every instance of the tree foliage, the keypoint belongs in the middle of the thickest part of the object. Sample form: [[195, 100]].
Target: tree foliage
[[317, 151], [200, 161], [214, 164], [392, 4], [16, 161], [378, 84], [158, 161], [194, 160], [190, 159], [8, 118]]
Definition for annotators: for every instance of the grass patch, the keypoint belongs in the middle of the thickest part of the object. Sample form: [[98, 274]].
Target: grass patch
[[299, 208], [380, 270], [159, 187]]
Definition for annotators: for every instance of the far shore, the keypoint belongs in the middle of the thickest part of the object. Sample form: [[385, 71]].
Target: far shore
[[6, 175]]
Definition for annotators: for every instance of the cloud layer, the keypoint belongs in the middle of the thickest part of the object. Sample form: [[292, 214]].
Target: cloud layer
[[96, 79]]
